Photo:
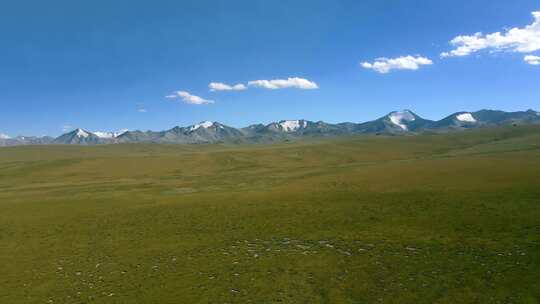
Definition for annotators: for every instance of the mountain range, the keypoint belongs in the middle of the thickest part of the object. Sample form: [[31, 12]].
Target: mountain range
[[403, 122]]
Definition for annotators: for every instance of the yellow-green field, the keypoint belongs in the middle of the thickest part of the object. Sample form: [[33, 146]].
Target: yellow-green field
[[426, 219]]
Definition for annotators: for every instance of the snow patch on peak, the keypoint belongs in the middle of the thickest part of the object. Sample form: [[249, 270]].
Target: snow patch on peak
[[104, 134], [398, 118], [4, 136], [82, 133], [292, 125], [466, 117], [122, 131], [204, 124], [109, 135]]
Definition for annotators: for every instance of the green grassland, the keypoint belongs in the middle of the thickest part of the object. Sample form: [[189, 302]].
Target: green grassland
[[451, 218]]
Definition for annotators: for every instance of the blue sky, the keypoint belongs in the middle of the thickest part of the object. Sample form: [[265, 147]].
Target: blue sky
[[98, 64]]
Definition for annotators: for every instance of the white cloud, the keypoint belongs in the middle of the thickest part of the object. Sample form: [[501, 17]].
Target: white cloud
[[533, 60], [218, 86], [521, 40], [295, 82], [141, 110], [385, 65], [4, 136], [189, 99]]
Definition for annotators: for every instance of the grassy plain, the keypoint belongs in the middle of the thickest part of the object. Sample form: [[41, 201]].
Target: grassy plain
[[423, 219]]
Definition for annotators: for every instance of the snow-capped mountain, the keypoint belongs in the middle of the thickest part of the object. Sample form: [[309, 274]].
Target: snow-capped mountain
[[203, 132], [394, 123], [83, 137], [287, 126], [79, 137], [397, 122], [286, 129], [484, 118], [456, 121]]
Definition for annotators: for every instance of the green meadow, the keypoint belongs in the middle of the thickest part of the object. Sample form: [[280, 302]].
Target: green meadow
[[452, 218]]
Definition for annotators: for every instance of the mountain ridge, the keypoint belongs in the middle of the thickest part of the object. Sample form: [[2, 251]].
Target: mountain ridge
[[403, 122]]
